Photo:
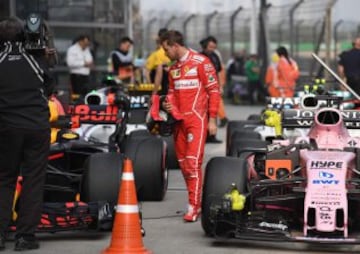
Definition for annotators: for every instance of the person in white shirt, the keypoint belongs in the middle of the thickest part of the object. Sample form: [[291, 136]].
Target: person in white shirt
[[80, 62]]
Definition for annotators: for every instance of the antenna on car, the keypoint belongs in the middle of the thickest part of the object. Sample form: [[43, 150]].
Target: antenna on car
[[336, 76]]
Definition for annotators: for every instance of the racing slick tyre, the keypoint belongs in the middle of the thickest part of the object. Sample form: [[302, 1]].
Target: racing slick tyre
[[148, 154], [239, 134], [139, 133], [172, 161], [101, 178], [241, 148], [220, 173], [240, 125]]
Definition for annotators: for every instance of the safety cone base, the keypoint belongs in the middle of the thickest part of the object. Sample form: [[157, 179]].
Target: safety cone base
[[111, 250], [126, 235]]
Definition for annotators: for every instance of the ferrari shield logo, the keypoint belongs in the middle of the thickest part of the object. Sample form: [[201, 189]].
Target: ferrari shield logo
[[175, 73]]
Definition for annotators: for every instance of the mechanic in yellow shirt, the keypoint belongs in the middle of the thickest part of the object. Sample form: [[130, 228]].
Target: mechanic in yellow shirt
[[156, 66]]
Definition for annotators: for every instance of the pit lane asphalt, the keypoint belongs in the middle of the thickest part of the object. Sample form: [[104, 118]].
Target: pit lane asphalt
[[166, 233]]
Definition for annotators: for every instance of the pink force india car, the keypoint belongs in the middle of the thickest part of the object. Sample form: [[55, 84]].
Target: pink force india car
[[303, 189]]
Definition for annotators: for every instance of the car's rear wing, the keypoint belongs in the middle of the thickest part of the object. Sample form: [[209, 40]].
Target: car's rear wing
[[304, 118]]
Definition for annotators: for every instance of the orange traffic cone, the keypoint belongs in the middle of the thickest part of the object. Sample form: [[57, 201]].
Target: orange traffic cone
[[126, 235]]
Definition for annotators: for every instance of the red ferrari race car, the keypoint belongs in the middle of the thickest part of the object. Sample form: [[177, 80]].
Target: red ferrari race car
[[300, 189]]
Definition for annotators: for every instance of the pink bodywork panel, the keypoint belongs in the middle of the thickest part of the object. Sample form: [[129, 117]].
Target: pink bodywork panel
[[327, 169]]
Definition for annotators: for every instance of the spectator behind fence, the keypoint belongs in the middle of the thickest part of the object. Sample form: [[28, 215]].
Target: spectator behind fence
[[121, 60], [287, 73], [272, 79], [80, 62], [236, 78], [24, 134], [252, 71], [349, 66]]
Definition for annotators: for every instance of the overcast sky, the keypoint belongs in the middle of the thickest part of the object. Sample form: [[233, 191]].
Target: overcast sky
[[192, 6], [344, 9]]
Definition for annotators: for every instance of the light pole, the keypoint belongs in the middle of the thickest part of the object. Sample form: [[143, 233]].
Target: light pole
[[232, 29]]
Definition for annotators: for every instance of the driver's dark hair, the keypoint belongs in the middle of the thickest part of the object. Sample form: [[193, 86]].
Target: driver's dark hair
[[172, 37], [11, 29]]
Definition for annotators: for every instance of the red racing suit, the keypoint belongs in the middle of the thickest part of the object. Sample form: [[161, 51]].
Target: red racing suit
[[195, 94]]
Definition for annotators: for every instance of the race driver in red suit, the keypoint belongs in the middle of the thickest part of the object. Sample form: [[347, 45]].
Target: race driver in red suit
[[193, 98]]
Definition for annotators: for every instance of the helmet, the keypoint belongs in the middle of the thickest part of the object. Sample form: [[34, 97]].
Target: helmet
[[163, 127]]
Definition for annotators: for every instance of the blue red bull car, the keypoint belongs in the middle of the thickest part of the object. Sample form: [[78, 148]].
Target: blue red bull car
[[83, 176]]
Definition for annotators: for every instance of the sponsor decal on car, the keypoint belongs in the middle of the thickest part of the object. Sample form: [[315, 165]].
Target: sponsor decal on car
[[305, 118], [352, 143], [139, 101], [284, 101], [96, 113], [325, 182], [326, 165], [280, 226], [326, 203], [324, 177]]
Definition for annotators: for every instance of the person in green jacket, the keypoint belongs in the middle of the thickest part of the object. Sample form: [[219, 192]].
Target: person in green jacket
[[252, 72]]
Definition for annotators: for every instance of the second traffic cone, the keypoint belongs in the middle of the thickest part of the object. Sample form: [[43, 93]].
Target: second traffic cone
[[126, 235]]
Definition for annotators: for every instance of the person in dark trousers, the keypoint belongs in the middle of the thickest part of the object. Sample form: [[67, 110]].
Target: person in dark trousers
[[252, 71], [24, 134], [349, 66], [235, 75], [208, 46]]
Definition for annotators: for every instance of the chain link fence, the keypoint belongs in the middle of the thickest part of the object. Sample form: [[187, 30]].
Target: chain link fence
[[299, 25]]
